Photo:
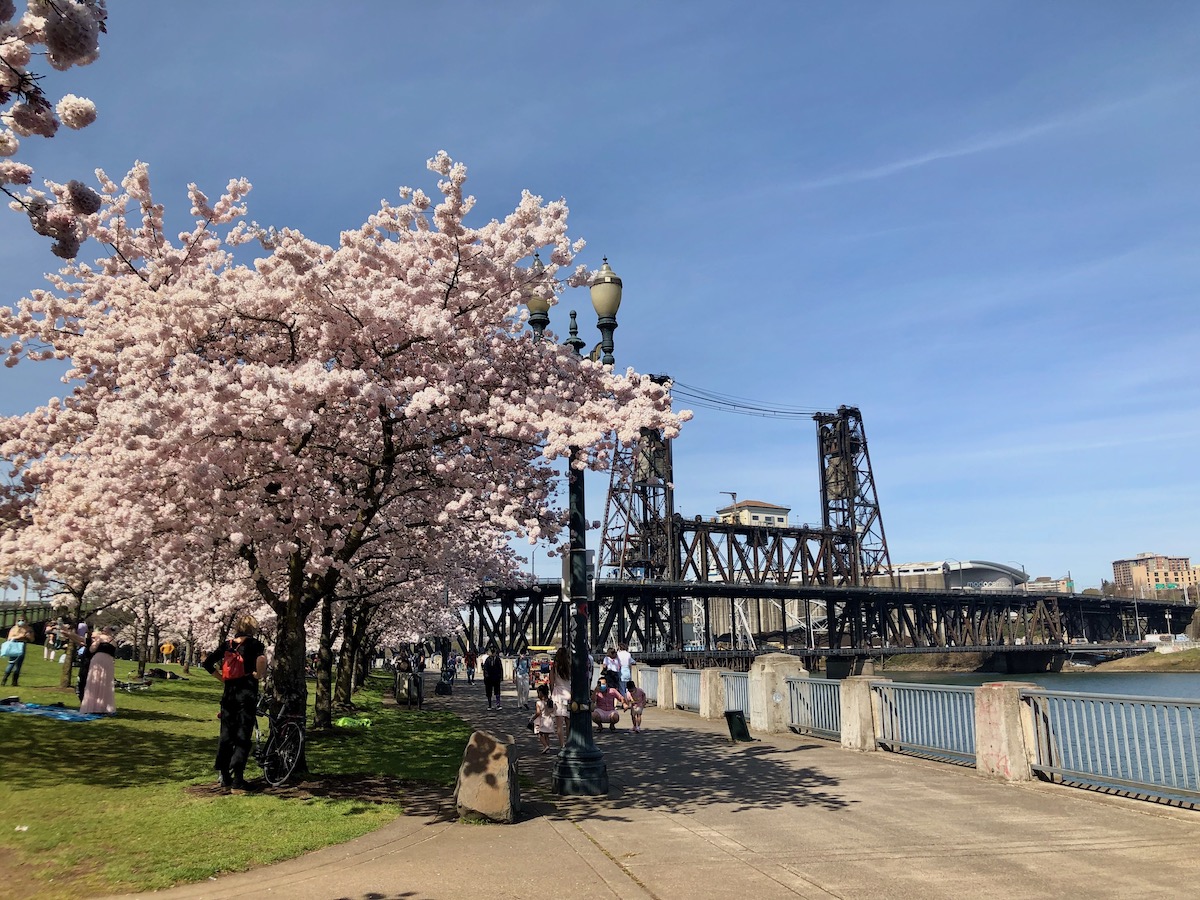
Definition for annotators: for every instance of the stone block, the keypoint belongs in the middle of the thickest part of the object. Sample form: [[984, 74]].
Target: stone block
[[1001, 750], [487, 779], [712, 693], [858, 713], [769, 712]]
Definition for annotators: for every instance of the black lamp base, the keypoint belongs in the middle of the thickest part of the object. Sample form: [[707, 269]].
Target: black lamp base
[[580, 774]]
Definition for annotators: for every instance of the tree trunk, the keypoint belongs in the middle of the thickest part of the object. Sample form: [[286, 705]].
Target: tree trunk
[[290, 687], [323, 706], [345, 667], [144, 649]]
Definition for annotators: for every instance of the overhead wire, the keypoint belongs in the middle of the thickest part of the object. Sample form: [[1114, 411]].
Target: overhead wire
[[742, 406]]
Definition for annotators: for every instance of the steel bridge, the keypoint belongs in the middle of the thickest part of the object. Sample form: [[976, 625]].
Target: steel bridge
[[671, 584]]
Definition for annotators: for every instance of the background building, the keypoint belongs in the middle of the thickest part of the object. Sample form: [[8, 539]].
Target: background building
[[1148, 573], [754, 512], [1044, 584], [955, 575]]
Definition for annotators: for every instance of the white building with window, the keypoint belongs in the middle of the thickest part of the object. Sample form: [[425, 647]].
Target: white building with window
[[754, 512]]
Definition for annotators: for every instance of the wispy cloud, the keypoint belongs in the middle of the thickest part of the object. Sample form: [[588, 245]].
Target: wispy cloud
[[987, 143]]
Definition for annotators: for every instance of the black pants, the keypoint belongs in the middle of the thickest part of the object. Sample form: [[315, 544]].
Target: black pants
[[492, 687], [239, 703]]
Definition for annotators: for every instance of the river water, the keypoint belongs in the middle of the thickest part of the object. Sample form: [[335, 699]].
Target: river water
[[1162, 685]]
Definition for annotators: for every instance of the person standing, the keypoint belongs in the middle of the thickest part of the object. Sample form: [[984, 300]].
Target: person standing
[[611, 668], [470, 658], [98, 693], [50, 644], [560, 692], [18, 636], [635, 701], [241, 664], [544, 723], [418, 673], [521, 678], [625, 664], [493, 674]]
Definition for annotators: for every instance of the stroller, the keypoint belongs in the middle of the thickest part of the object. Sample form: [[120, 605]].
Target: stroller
[[445, 685]]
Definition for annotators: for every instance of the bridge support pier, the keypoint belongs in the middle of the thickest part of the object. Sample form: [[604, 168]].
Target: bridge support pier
[[845, 666], [1028, 663]]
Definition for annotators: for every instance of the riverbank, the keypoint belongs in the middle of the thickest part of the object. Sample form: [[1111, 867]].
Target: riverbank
[[1183, 661], [1187, 661]]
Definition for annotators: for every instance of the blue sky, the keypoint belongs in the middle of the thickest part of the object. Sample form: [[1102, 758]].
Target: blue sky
[[976, 221]]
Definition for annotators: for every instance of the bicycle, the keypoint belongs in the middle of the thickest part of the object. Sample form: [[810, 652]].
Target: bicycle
[[281, 751]]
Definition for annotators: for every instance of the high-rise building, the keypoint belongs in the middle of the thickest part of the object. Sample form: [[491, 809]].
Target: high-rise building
[[1147, 573]]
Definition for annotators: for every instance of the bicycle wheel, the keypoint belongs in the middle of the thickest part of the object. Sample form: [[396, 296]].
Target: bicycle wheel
[[283, 753]]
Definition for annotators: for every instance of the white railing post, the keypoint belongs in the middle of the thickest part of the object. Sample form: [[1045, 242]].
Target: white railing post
[[1001, 747], [768, 680], [666, 687], [712, 693], [858, 713]]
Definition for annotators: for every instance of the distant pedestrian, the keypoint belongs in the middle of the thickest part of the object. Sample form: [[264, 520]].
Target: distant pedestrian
[[521, 678], [560, 692], [545, 722], [625, 664], [50, 644], [418, 674], [99, 691], [611, 668], [18, 636], [635, 702], [470, 658], [493, 674]]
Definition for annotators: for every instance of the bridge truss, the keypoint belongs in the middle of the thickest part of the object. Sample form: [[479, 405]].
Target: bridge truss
[[667, 583]]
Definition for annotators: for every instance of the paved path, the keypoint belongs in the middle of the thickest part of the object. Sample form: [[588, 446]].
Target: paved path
[[692, 816]]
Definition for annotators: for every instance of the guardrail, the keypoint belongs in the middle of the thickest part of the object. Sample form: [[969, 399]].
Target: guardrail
[[687, 689], [737, 691], [930, 720], [815, 707], [647, 677], [1148, 744]]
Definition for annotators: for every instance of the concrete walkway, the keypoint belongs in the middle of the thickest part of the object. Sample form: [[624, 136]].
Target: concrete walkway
[[692, 816]]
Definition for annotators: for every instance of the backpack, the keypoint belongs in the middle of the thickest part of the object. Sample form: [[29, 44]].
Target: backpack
[[233, 666]]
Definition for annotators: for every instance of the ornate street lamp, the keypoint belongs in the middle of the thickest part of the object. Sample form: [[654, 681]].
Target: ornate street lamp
[[579, 768]]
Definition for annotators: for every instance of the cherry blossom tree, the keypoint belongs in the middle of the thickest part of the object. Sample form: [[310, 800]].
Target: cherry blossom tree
[[68, 33], [302, 410]]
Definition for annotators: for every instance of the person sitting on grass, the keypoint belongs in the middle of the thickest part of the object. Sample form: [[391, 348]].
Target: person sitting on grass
[[604, 705]]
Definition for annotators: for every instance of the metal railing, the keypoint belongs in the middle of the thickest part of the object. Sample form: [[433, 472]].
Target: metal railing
[[687, 689], [931, 720], [647, 679], [815, 706], [737, 691], [1147, 744]]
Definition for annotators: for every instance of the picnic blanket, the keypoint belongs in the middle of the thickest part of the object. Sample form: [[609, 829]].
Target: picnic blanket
[[53, 712]]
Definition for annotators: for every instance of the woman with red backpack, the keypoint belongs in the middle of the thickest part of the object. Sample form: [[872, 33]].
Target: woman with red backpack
[[241, 664]]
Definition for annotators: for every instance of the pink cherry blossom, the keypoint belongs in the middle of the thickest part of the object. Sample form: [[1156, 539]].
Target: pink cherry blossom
[[326, 429]]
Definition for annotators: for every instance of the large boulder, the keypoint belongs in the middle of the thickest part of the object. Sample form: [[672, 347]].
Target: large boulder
[[487, 779]]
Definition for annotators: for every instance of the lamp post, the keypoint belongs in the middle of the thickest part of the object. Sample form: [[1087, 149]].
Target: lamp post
[[579, 768], [957, 562]]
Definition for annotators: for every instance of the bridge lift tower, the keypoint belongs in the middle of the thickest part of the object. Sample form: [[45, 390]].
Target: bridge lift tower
[[645, 541]]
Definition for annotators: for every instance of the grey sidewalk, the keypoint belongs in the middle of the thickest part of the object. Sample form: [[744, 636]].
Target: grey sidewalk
[[692, 816]]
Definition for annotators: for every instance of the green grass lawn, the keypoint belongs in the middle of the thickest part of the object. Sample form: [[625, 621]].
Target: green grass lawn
[[122, 803]]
